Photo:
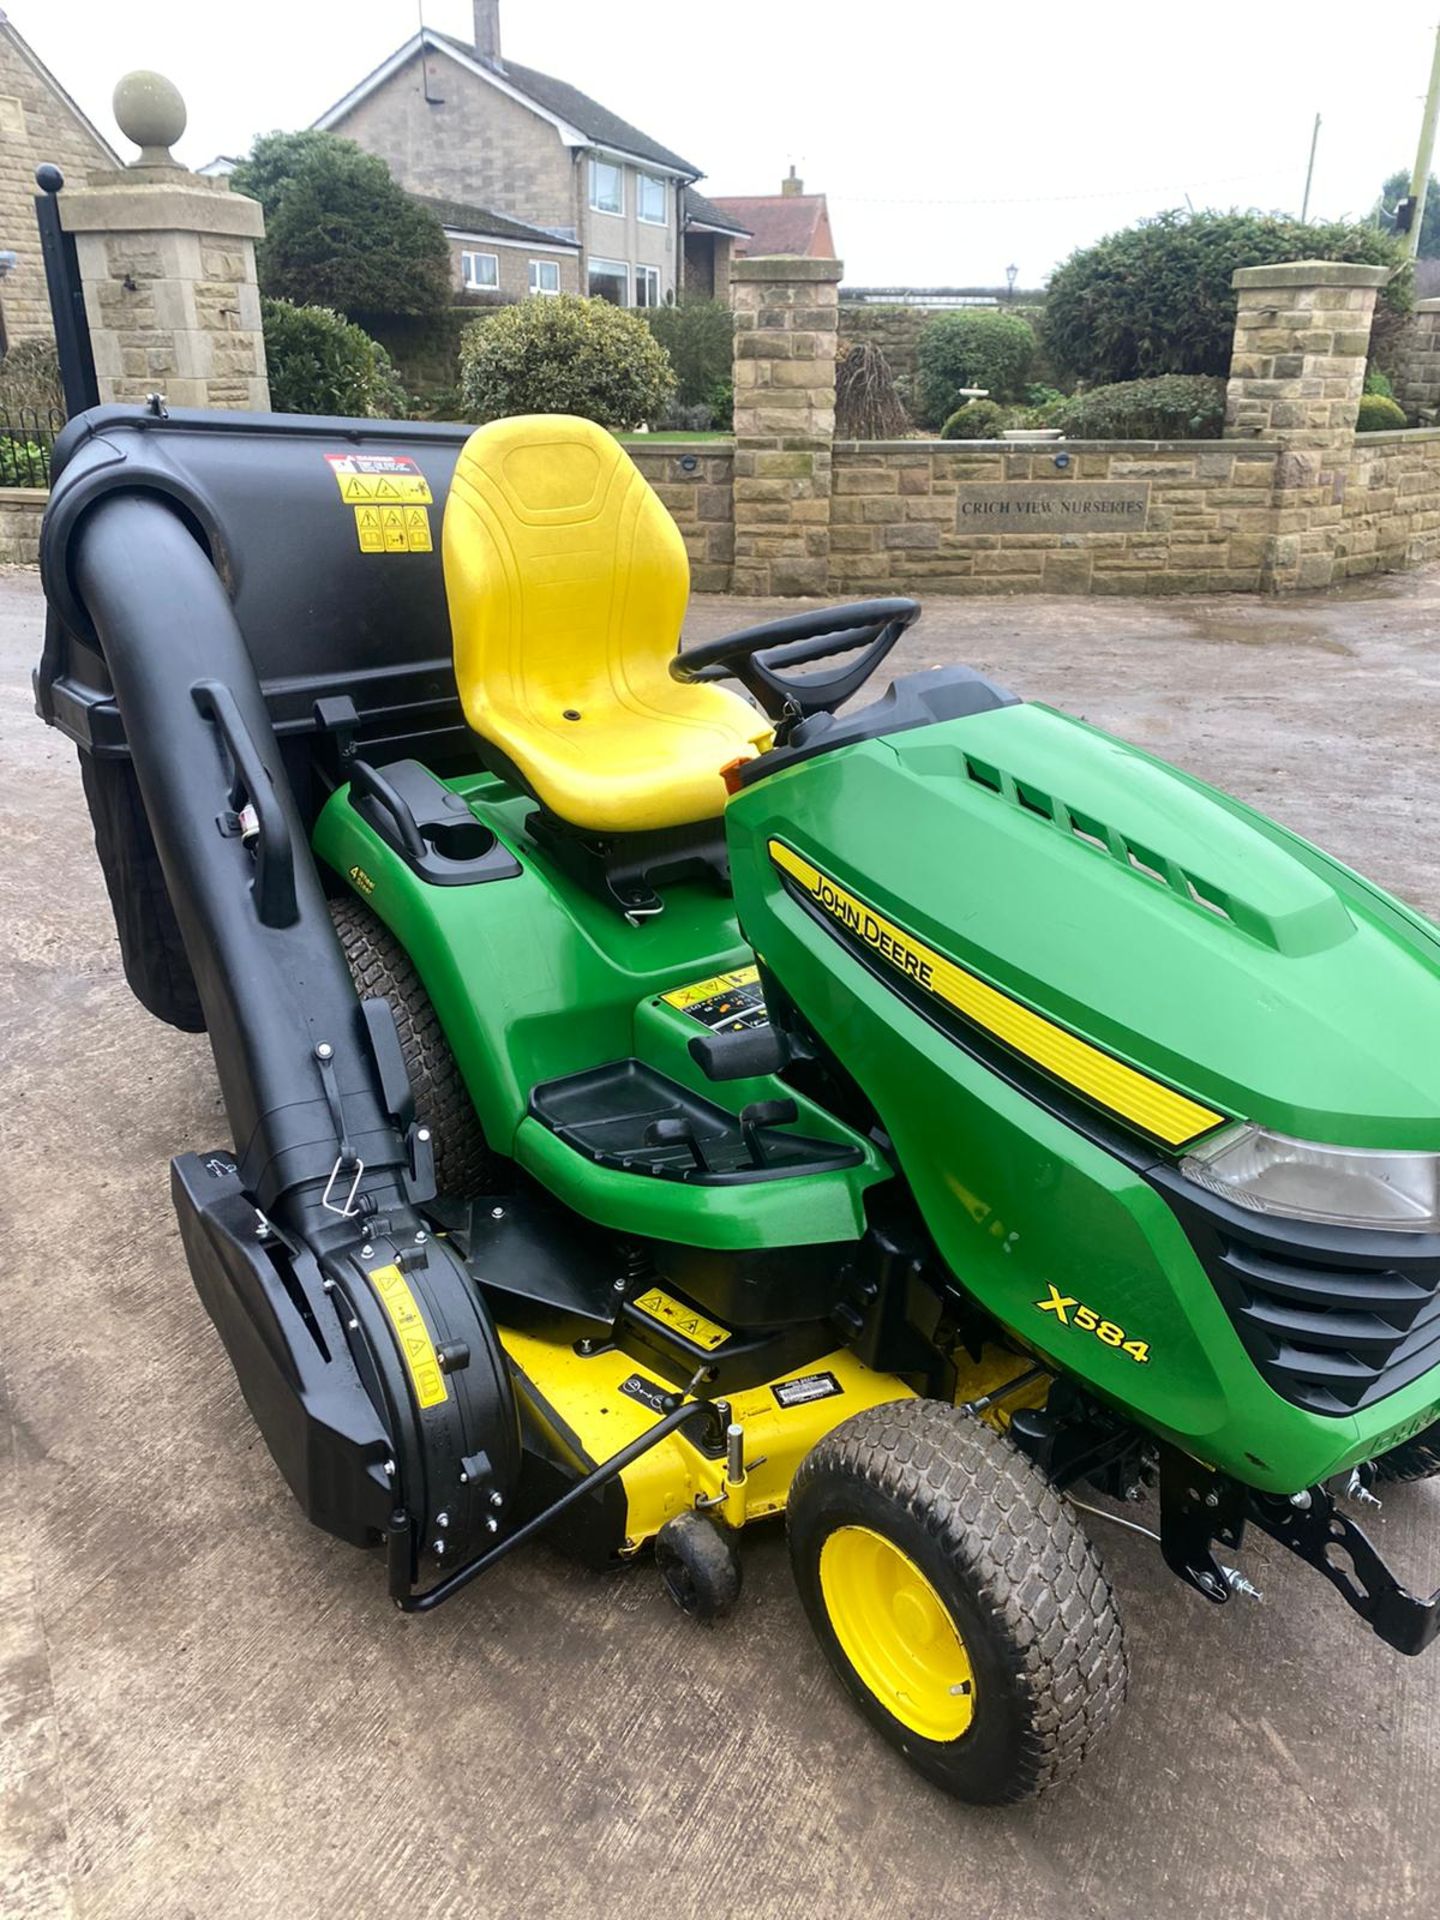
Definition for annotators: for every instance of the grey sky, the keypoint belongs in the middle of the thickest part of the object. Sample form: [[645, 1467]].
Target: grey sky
[[951, 141]]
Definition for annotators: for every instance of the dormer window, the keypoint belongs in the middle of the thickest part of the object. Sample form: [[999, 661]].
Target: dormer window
[[607, 187]]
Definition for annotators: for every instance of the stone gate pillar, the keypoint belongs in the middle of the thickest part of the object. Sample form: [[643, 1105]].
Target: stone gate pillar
[[167, 262], [1297, 368], [1417, 380], [786, 321]]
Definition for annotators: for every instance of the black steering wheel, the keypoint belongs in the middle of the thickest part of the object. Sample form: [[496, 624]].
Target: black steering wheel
[[756, 656]]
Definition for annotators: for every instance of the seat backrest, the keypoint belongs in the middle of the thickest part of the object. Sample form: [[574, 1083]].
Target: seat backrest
[[566, 577]]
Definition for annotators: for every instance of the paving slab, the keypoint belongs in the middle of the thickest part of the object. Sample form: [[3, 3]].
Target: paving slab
[[207, 1708]]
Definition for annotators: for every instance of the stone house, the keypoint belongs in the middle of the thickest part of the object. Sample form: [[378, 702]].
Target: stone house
[[550, 190], [38, 122]]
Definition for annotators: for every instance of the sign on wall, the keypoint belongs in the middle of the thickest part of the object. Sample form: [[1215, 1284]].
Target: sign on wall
[[1053, 506]]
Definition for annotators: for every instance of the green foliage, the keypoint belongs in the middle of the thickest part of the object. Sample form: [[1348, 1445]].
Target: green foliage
[[1377, 381], [867, 405], [972, 347], [1038, 395], [23, 463], [699, 337], [1395, 190], [1156, 298], [1379, 415], [276, 158], [344, 236], [30, 377], [322, 363], [1174, 406], [565, 355], [977, 420]]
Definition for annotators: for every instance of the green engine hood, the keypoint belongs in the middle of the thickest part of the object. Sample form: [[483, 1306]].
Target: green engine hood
[[1136, 907]]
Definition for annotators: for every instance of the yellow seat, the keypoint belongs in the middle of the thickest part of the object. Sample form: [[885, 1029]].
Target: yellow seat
[[567, 582]]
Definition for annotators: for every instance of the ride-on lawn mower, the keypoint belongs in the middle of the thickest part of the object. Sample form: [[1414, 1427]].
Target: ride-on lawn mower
[[655, 1110]]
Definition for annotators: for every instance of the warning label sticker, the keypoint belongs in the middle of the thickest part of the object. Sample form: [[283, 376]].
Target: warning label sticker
[[810, 1386], [393, 530], [383, 479], [414, 1336], [726, 1003], [685, 1321]]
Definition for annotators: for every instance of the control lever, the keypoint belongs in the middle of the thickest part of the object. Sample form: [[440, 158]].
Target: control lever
[[677, 1133], [764, 1113]]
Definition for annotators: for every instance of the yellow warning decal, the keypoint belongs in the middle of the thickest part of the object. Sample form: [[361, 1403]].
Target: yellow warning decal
[[362, 880], [685, 1321], [1145, 1103], [393, 530], [683, 997], [413, 1334], [379, 479]]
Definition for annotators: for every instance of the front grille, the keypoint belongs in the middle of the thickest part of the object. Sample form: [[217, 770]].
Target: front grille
[[1334, 1317]]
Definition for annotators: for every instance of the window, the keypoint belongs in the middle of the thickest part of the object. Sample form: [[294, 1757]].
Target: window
[[651, 195], [480, 269], [607, 187], [610, 280], [647, 286], [544, 276]]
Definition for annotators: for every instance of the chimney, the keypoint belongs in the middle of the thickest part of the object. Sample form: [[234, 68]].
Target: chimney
[[487, 32], [792, 184]]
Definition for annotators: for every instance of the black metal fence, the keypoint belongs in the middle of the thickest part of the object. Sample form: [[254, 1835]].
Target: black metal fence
[[27, 439]]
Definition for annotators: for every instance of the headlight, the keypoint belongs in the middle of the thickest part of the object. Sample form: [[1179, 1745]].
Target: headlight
[[1347, 1186]]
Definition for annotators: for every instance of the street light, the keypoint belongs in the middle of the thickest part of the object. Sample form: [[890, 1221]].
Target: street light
[[1010, 274]]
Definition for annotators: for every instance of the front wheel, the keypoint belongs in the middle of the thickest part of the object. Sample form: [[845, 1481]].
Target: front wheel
[[957, 1599]]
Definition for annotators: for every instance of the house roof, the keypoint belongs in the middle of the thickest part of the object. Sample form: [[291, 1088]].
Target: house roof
[[557, 98], [700, 212], [781, 223], [455, 216], [28, 53]]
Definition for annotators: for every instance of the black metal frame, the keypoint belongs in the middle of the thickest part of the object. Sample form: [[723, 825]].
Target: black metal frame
[[67, 296]]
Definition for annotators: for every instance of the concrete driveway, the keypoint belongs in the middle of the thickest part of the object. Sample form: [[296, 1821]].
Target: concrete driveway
[[211, 1710]]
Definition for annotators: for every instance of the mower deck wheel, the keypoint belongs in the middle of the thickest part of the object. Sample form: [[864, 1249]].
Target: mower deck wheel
[[380, 966], [957, 1599], [698, 1565]]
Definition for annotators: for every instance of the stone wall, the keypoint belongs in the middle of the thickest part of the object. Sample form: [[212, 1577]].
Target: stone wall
[[1390, 504], [38, 122], [21, 511], [1115, 517], [896, 329], [696, 484], [1417, 358]]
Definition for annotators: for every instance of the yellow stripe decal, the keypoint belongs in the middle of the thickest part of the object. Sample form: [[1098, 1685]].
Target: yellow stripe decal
[[1145, 1103], [414, 1336]]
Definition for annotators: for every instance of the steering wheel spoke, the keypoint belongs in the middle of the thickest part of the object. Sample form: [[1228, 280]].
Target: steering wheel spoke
[[760, 657]]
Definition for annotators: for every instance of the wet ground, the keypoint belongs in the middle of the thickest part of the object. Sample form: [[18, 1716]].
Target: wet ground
[[209, 1709]]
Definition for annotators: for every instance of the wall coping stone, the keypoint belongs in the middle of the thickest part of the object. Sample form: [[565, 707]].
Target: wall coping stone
[[188, 205], [786, 266], [1396, 436], [1079, 446], [1311, 273], [37, 497], [1427, 306]]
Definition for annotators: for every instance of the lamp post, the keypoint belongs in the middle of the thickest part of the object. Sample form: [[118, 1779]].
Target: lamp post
[[1010, 276]]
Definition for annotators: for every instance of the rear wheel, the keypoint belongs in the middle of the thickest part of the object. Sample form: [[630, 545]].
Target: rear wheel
[[380, 966], [957, 1599], [1415, 1459]]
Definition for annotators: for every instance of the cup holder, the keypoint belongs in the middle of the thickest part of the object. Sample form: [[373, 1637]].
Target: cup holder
[[460, 840]]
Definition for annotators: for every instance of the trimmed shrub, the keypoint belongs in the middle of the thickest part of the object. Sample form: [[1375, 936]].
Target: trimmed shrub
[[1176, 406], [1379, 415], [1156, 298], [565, 354], [345, 236], [1377, 381], [867, 407], [322, 363], [699, 337], [974, 347], [977, 420]]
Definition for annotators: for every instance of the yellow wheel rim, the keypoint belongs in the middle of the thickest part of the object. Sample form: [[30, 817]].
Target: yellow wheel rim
[[897, 1633]]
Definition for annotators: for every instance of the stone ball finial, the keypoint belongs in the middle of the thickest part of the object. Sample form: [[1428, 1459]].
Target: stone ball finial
[[149, 110]]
